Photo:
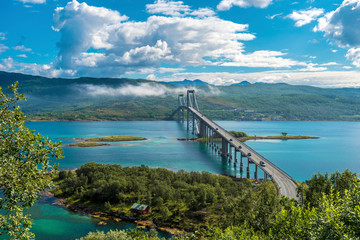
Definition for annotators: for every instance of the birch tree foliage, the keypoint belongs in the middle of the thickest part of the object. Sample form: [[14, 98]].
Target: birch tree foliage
[[25, 166]]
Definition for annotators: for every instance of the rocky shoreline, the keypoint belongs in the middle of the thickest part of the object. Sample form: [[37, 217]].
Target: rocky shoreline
[[104, 217]]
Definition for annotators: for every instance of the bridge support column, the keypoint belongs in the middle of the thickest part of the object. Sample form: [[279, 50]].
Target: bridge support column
[[248, 170], [202, 132], [265, 176], [256, 172], [241, 163], [235, 157], [230, 153], [188, 120], [193, 123], [224, 148]]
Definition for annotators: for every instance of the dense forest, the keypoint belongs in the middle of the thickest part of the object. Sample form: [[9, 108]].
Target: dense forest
[[190, 201], [210, 206], [137, 99]]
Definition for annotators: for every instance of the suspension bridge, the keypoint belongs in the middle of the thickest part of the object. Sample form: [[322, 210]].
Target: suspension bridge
[[229, 147]]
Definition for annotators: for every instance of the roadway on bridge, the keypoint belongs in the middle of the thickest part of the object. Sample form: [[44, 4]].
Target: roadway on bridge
[[285, 184]]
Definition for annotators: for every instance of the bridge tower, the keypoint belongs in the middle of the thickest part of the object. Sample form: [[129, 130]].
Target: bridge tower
[[191, 102], [181, 105]]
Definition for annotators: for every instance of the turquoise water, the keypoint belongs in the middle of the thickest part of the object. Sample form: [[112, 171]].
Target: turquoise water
[[337, 149]]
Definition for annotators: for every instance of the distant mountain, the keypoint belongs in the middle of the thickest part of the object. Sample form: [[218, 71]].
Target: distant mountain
[[241, 83], [94, 99], [186, 82]]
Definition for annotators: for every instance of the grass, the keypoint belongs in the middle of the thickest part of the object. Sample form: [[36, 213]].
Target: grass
[[115, 139], [87, 144]]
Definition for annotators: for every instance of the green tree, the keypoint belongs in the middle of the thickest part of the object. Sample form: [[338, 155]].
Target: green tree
[[25, 168]]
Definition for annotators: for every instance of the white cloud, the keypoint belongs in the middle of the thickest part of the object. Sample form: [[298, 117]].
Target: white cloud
[[166, 7], [312, 78], [22, 55], [10, 65], [151, 77], [304, 17], [123, 45], [6, 64], [99, 41], [271, 17], [227, 4], [347, 67], [22, 48], [3, 48], [177, 9], [170, 70], [342, 25], [353, 54], [312, 67], [203, 12], [314, 41], [33, 1], [2, 36], [272, 59], [329, 64], [141, 90]]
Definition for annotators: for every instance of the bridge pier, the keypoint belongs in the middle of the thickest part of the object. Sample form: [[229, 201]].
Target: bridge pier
[[224, 147], [256, 172], [248, 171], [193, 123], [202, 132]]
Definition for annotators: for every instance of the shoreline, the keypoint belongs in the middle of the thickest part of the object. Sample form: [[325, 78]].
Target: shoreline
[[104, 217]]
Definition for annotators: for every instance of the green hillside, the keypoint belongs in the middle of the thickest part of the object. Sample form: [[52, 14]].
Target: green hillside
[[78, 99]]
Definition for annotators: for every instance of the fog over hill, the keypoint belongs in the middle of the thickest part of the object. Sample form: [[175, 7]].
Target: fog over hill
[[139, 99]]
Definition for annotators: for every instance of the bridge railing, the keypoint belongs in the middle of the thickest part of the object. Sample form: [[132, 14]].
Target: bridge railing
[[272, 164], [256, 153]]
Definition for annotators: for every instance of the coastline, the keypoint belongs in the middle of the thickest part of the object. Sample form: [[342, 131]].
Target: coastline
[[104, 217]]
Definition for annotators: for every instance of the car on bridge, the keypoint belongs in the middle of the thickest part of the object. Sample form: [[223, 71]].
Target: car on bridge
[[262, 163], [249, 154]]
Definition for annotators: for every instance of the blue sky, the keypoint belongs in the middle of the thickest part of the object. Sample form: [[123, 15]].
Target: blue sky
[[310, 42]]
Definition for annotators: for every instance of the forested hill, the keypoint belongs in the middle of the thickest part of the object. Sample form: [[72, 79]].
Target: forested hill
[[138, 99]]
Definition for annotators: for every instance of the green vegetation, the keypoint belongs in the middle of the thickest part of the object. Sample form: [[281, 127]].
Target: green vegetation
[[242, 136], [115, 139], [25, 168], [86, 144], [122, 235], [67, 100], [282, 137], [189, 201], [332, 213], [238, 134]]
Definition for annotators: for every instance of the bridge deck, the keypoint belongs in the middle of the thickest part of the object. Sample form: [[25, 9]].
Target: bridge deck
[[283, 181]]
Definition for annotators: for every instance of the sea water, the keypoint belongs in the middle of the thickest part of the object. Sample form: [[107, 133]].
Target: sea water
[[337, 148]]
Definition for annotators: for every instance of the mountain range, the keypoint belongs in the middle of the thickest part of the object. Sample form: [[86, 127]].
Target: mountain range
[[93, 99]]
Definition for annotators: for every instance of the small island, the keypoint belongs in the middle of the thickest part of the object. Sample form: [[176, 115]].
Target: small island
[[116, 138], [102, 141], [243, 137], [86, 144]]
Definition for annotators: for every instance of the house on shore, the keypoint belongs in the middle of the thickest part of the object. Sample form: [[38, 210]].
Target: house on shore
[[140, 208]]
